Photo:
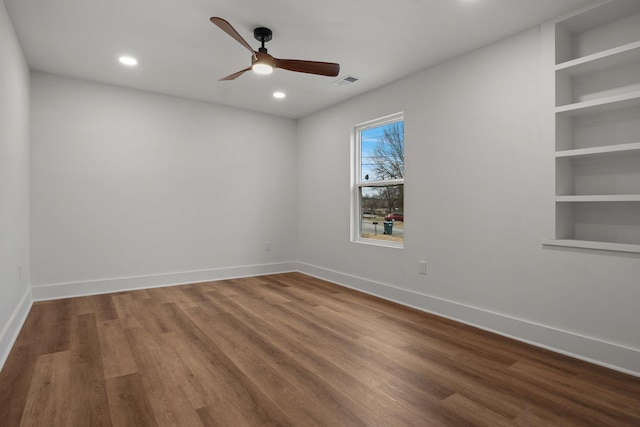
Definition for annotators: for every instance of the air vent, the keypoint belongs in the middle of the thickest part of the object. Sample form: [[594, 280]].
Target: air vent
[[346, 80]]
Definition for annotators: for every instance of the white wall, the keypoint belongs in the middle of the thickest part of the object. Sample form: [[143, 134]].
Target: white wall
[[133, 189], [15, 298], [476, 172]]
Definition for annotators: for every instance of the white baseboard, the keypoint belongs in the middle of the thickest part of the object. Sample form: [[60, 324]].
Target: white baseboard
[[11, 330], [592, 350], [120, 284]]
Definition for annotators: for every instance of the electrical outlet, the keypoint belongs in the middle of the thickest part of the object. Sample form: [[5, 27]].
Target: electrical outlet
[[267, 246], [422, 267]]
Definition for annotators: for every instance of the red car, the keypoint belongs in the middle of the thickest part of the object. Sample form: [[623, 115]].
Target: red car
[[395, 216]]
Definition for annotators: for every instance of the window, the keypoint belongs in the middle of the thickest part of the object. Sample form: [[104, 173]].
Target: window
[[378, 190]]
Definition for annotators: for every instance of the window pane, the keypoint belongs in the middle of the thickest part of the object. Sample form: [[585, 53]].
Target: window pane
[[382, 215], [382, 152]]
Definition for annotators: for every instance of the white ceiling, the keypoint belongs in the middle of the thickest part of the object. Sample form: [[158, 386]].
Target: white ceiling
[[182, 53]]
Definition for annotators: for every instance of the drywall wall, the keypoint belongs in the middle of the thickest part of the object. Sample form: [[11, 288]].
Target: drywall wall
[[15, 299], [476, 171], [133, 189]]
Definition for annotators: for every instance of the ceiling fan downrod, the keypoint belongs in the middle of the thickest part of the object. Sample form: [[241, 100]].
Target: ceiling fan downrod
[[263, 35]]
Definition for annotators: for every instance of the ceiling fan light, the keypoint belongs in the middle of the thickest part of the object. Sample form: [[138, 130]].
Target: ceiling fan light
[[262, 68]]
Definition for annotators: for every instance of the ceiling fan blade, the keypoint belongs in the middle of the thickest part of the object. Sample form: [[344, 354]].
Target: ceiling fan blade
[[227, 28], [235, 75], [310, 67]]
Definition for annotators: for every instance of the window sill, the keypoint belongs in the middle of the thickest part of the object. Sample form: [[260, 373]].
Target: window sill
[[375, 242]]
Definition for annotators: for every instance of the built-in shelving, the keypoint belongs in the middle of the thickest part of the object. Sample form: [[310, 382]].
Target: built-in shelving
[[596, 115], [601, 105], [618, 56], [596, 151], [600, 198], [586, 244]]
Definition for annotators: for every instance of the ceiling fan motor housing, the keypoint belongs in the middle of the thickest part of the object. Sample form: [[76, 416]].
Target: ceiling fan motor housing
[[264, 58], [262, 34]]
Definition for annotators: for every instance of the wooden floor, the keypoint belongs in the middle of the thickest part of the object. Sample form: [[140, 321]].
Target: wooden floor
[[288, 350]]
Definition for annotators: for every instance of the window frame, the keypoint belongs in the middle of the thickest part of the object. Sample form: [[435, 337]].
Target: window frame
[[357, 184]]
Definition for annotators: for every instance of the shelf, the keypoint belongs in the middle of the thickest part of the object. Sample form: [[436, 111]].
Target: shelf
[[600, 198], [609, 103], [594, 63], [618, 56], [600, 15], [586, 244], [595, 151]]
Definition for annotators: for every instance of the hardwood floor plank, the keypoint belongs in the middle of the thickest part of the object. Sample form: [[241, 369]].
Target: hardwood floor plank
[[129, 402], [289, 350], [171, 408], [141, 295], [216, 401], [613, 381], [127, 310], [314, 336], [15, 380], [212, 416], [142, 340], [46, 403], [160, 368], [373, 401], [117, 357], [371, 367], [237, 390], [475, 413], [90, 404], [47, 327], [574, 388], [205, 381], [545, 395], [372, 404], [275, 371], [102, 306], [442, 374]]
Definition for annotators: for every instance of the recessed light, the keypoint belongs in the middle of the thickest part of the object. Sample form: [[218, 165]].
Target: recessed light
[[128, 60], [279, 95]]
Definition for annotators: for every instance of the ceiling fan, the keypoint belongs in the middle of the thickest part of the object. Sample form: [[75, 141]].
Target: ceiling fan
[[263, 63]]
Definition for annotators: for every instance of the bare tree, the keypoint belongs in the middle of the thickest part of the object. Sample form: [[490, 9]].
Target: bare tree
[[388, 163], [388, 156], [393, 197]]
